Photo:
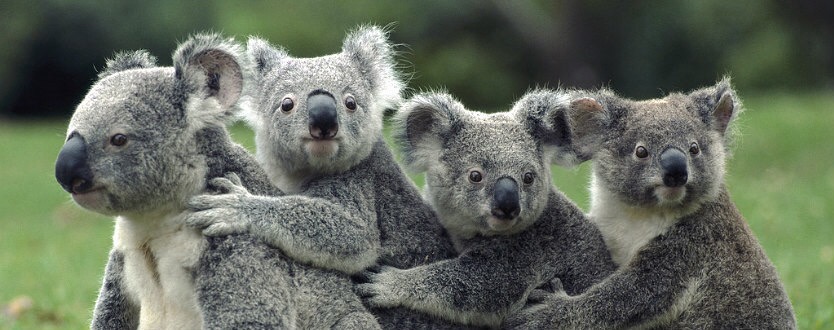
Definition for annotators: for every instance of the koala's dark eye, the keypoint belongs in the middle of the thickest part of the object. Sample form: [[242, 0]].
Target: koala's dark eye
[[350, 103], [118, 140], [641, 152], [475, 176], [693, 148], [287, 104], [528, 178]]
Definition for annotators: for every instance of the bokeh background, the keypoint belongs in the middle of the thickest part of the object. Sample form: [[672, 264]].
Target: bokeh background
[[780, 54]]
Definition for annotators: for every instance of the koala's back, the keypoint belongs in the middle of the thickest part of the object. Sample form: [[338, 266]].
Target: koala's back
[[243, 283], [410, 235], [577, 251], [409, 231]]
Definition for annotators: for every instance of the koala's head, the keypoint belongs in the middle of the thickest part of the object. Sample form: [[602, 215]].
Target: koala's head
[[664, 154], [321, 114], [486, 174], [132, 144]]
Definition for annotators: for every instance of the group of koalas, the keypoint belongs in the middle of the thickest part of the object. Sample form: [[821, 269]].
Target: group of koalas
[[322, 228]]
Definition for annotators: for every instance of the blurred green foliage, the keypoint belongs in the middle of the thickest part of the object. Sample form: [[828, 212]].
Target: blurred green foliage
[[487, 53]]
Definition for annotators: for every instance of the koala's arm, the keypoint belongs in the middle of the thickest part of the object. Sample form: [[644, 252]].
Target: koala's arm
[[478, 288], [237, 160], [640, 292], [332, 225], [412, 233], [337, 233], [114, 310]]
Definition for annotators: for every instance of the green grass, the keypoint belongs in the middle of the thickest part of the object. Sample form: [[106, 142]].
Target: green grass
[[781, 177]]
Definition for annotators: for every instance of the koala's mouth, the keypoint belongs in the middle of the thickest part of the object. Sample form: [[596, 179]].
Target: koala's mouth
[[500, 225], [321, 148], [92, 199], [670, 195]]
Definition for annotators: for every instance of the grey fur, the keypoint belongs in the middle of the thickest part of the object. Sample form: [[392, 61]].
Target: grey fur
[[174, 119], [500, 262], [128, 60], [351, 205], [687, 257]]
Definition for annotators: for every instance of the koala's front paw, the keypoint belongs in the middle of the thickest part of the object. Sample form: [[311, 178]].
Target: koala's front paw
[[216, 216], [219, 215], [381, 286]]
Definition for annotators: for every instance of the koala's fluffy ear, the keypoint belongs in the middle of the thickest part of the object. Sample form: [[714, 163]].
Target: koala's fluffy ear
[[211, 64], [567, 122], [128, 60], [421, 125], [263, 56], [717, 105], [369, 48]]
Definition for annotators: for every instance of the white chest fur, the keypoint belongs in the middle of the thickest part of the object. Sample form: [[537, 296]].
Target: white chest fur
[[625, 229], [160, 255]]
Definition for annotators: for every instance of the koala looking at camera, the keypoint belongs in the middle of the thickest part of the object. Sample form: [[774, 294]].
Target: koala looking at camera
[[488, 176], [687, 258], [144, 140], [318, 127]]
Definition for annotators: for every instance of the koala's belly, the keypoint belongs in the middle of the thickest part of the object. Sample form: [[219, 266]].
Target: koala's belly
[[158, 277]]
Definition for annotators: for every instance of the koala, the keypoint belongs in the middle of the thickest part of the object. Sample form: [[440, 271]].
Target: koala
[[144, 141], [488, 176], [318, 129], [686, 257]]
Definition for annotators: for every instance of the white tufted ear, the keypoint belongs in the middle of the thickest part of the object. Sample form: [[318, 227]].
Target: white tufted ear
[[374, 55]]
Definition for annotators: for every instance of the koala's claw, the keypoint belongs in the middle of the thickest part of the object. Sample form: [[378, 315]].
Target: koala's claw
[[230, 184], [379, 288], [366, 275], [375, 296]]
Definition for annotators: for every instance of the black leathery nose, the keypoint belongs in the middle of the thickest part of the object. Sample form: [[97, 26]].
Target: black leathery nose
[[71, 168], [323, 119], [673, 163], [506, 203]]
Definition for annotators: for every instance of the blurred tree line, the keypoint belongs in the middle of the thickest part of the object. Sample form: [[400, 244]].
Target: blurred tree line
[[487, 53]]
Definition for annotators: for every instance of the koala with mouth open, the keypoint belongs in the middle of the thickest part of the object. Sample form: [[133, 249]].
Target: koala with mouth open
[[489, 178], [687, 258]]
